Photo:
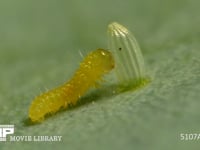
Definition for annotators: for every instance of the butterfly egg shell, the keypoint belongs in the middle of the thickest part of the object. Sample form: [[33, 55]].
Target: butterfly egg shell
[[129, 61], [94, 66]]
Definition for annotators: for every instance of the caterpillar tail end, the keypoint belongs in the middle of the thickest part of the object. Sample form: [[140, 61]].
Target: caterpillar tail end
[[34, 115]]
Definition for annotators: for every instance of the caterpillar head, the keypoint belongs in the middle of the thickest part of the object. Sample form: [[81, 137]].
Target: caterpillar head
[[101, 60]]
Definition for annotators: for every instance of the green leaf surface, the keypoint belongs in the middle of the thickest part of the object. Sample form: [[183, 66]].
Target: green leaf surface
[[40, 43]]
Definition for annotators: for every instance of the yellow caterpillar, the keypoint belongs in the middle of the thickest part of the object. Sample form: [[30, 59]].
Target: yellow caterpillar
[[93, 67]]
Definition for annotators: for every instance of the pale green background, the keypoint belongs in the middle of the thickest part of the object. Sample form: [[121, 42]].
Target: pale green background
[[40, 42]]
